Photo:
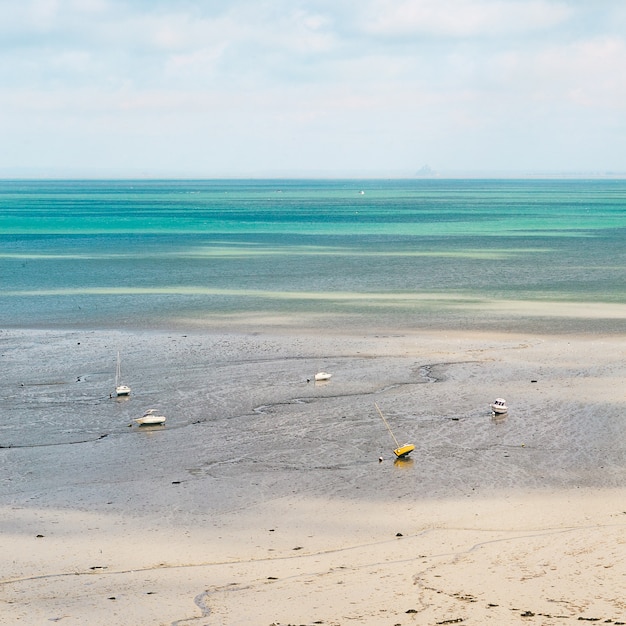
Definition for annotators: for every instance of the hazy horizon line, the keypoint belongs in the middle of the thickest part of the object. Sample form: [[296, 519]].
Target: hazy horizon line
[[420, 173]]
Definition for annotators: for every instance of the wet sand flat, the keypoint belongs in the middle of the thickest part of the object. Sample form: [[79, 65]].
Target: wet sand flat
[[263, 500]]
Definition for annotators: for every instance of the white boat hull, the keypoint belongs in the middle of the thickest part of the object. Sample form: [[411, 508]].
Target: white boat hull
[[122, 390], [322, 376], [499, 406], [150, 420]]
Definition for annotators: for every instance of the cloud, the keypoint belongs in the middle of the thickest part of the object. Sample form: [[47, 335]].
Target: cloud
[[312, 83], [463, 18], [155, 43]]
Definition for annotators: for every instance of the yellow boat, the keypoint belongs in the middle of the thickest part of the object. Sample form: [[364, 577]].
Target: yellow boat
[[407, 448], [400, 451]]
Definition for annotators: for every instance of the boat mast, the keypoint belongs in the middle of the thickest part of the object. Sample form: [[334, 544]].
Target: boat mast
[[387, 425]]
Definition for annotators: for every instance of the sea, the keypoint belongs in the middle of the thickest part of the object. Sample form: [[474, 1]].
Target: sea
[[203, 254]]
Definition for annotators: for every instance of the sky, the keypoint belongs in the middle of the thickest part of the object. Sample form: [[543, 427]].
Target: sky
[[269, 88]]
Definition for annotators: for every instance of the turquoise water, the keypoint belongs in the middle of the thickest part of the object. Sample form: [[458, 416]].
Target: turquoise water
[[432, 253]]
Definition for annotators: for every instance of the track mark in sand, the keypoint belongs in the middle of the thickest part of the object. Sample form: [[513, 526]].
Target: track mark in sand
[[427, 373], [56, 443], [201, 601], [429, 591]]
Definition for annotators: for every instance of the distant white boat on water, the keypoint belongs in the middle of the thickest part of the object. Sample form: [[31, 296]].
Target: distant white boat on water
[[150, 419], [499, 406], [120, 388], [322, 376]]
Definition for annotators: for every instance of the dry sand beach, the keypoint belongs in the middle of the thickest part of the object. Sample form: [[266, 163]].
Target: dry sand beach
[[263, 501]]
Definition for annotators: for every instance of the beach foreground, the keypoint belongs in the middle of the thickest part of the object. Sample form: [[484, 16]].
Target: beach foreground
[[553, 557], [267, 499]]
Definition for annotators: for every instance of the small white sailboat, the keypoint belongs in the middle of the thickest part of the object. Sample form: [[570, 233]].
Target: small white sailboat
[[150, 419], [320, 376], [120, 389], [399, 451]]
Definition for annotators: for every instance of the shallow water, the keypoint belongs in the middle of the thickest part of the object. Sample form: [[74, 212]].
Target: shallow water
[[215, 254]]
